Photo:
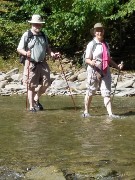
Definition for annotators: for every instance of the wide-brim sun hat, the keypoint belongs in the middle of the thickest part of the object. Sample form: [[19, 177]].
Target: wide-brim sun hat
[[36, 19], [97, 25]]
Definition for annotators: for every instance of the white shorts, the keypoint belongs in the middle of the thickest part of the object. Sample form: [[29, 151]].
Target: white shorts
[[93, 83]]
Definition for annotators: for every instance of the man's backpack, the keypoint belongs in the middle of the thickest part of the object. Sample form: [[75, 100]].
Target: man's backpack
[[85, 65], [30, 35]]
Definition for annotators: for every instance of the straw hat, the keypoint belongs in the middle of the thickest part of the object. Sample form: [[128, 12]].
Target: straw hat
[[36, 19], [97, 25]]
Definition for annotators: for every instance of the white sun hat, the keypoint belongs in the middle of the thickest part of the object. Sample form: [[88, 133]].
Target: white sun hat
[[97, 25], [36, 19]]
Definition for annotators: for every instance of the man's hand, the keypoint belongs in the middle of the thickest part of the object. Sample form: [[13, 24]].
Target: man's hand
[[55, 55], [28, 53]]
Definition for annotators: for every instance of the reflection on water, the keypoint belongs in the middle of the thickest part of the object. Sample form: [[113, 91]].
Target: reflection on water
[[59, 136]]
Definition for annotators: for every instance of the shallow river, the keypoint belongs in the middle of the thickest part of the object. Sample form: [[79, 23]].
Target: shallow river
[[91, 148]]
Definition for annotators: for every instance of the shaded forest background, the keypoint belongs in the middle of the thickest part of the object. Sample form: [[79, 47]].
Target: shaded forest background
[[68, 24]]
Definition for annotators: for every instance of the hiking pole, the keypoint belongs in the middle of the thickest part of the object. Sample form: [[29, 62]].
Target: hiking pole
[[67, 82], [116, 81]]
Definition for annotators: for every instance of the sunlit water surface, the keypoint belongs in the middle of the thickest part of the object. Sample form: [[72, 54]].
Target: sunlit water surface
[[59, 136]]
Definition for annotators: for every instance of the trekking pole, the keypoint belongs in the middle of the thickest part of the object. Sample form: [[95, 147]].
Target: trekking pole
[[67, 82], [116, 82]]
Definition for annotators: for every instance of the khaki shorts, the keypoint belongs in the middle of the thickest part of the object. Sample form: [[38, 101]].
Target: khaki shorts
[[36, 74], [93, 84]]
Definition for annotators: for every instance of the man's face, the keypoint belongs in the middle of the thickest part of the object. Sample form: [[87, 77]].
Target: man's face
[[99, 33], [36, 27]]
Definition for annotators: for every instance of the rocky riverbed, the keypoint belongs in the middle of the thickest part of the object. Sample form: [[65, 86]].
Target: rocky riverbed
[[11, 82]]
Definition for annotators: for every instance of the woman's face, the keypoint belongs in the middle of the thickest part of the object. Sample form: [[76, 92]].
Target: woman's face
[[99, 33], [36, 27]]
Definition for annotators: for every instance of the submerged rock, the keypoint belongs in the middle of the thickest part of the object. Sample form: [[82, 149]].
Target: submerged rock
[[45, 173], [7, 174]]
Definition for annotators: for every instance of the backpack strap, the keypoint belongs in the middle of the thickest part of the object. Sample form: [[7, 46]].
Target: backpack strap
[[30, 35], [94, 45], [84, 54], [44, 35]]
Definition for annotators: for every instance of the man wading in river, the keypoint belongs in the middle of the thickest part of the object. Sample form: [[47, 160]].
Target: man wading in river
[[98, 72], [36, 70]]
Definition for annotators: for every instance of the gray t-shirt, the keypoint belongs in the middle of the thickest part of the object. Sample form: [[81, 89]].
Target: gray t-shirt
[[37, 45]]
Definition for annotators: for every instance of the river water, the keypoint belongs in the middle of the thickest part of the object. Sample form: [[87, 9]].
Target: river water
[[90, 148]]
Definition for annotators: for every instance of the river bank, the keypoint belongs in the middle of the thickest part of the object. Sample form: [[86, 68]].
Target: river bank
[[11, 81]]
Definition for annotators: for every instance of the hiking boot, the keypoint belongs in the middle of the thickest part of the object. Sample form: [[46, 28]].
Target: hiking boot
[[33, 109], [85, 115], [38, 106]]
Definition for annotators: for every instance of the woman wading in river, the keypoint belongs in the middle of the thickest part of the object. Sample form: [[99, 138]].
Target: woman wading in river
[[98, 60]]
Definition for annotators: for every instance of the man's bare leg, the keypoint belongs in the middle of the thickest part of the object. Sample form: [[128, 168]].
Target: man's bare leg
[[31, 94]]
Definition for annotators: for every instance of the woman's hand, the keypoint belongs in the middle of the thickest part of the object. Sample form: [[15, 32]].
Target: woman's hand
[[120, 66], [93, 62]]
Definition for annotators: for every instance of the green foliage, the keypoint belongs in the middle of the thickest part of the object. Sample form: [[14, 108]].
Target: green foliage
[[68, 22], [125, 10], [9, 36], [5, 66]]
